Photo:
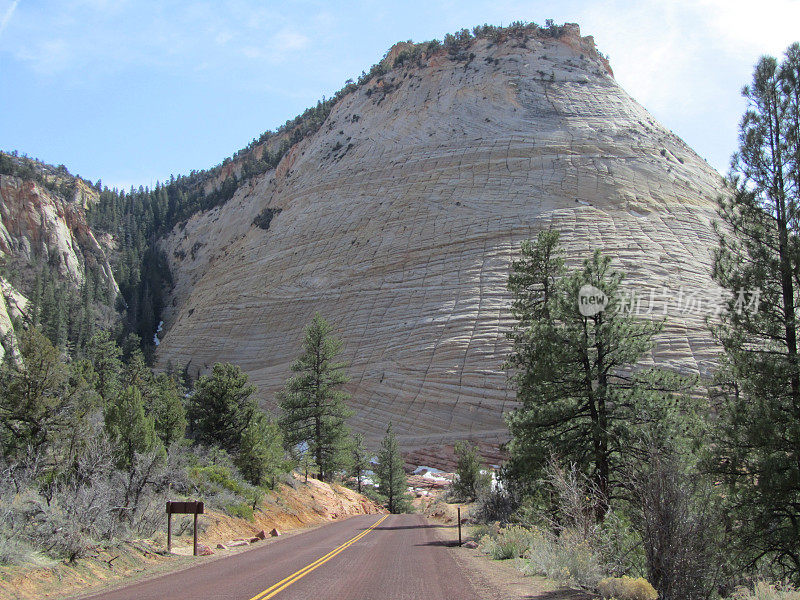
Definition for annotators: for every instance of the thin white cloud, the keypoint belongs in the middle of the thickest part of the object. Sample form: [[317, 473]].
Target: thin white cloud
[[290, 40], [686, 60], [7, 17]]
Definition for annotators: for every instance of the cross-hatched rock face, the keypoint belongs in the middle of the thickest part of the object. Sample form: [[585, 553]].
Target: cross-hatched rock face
[[399, 218]]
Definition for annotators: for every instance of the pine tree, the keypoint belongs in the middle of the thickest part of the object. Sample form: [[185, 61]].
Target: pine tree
[[221, 408], [392, 481], [581, 395], [758, 445], [308, 466], [261, 456], [164, 399], [105, 357], [131, 431], [359, 459], [312, 403], [469, 477]]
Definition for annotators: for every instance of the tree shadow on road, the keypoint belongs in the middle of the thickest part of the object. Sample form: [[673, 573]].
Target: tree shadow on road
[[443, 543], [563, 594]]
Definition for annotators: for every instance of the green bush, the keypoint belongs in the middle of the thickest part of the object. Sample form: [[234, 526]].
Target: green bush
[[511, 542], [215, 478], [626, 588], [241, 510], [480, 531]]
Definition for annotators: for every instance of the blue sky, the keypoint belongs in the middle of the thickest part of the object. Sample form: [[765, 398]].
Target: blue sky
[[131, 92]]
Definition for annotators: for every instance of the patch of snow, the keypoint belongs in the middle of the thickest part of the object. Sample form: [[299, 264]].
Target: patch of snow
[[423, 469]]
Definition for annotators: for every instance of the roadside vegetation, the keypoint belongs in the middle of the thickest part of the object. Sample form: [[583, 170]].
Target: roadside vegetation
[[636, 482], [92, 446]]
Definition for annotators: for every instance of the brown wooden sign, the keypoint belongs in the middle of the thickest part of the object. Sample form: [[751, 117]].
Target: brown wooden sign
[[182, 508]]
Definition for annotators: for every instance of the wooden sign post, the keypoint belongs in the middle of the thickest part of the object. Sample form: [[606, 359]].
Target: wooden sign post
[[459, 525], [182, 508]]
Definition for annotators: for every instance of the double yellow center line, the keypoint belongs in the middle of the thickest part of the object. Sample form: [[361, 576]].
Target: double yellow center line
[[284, 583]]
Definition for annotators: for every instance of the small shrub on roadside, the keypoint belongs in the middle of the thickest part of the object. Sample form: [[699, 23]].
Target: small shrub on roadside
[[766, 591], [14, 551], [221, 484], [240, 510], [480, 531], [626, 588], [567, 558], [511, 542]]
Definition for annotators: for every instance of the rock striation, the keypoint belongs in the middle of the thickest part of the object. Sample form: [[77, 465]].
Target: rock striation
[[398, 220]]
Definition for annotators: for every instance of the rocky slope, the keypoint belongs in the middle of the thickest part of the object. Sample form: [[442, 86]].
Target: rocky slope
[[37, 224], [398, 219]]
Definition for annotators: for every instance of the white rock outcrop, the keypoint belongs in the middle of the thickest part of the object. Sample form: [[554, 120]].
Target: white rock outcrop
[[400, 217]]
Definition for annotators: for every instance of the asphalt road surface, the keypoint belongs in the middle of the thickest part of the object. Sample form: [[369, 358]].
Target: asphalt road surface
[[391, 557]]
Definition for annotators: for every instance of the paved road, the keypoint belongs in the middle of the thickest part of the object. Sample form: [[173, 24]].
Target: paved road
[[397, 557]]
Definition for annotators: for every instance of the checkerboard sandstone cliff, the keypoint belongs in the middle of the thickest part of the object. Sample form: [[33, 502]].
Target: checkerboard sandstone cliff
[[400, 216]]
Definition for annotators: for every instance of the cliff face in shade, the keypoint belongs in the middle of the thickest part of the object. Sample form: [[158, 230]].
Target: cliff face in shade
[[400, 216]]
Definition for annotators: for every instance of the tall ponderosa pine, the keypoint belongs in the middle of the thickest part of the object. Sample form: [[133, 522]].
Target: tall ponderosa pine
[[313, 401], [392, 481], [162, 395], [758, 450], [221, 408], [576, 378]]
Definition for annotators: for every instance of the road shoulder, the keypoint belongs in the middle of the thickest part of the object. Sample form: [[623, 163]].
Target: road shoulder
[[499, 579]]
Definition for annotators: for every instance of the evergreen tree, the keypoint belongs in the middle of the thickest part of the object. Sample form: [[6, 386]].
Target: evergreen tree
[[105, 356], [308, 466], [469, 478], [43, 403], [758, 445], [392, 481], [261, 457], [164, 399], [221, 408], [580, 392], [313, 403], [359, 459], [130, 429]]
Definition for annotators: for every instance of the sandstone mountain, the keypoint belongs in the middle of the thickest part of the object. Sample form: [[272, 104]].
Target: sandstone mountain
[[398, 218]]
